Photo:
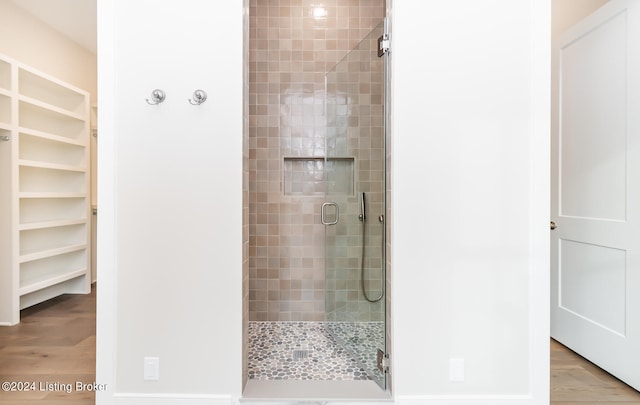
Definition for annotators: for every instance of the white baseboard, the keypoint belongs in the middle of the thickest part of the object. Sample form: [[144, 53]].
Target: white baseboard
[[468, 400], [169, 399], [203, 399]]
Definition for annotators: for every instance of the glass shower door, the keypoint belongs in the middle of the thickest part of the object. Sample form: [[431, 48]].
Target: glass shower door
[[355, 205]]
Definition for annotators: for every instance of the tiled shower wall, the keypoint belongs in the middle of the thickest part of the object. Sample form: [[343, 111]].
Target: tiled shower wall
[[293, 44]]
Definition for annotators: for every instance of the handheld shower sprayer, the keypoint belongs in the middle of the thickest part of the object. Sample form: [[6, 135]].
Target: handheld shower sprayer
[[362, 217]]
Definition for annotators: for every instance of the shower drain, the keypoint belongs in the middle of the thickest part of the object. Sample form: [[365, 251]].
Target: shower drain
[[300, 354]]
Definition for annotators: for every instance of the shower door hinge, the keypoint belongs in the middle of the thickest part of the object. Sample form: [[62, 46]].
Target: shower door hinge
[[383, 362], [384, 45]]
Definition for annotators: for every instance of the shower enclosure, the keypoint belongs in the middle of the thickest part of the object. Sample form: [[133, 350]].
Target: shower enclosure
[[354, 208], [316, 298]]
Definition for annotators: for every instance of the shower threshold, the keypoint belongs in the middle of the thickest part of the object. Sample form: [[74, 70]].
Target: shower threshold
[[313, 390]]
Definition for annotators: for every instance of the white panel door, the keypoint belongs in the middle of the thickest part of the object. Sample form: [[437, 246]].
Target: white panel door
[[595, 280]]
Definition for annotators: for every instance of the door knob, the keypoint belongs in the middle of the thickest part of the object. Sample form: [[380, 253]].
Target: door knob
[[552, 225]]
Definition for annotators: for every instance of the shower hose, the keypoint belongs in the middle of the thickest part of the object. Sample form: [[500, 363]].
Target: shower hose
[[364, 290]]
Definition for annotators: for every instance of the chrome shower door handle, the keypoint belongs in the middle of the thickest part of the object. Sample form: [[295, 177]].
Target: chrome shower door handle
[[323, 213]]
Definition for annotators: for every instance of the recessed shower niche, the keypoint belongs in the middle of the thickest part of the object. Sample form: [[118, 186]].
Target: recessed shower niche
[[315, 323], [306, 175]]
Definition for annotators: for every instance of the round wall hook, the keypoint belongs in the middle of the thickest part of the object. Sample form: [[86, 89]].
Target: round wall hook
[[199, 97], [157, 97]]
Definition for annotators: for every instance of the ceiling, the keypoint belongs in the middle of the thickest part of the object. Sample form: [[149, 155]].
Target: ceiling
[[76, 19]]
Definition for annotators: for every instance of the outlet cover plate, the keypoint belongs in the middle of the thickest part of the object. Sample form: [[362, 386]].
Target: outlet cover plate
[[456, 370], [151, 368]]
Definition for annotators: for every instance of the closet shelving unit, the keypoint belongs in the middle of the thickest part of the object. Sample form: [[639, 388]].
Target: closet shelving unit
[[48, 125]]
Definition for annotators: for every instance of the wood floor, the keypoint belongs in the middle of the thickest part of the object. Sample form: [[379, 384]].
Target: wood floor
[[575, 381], [54, 346]]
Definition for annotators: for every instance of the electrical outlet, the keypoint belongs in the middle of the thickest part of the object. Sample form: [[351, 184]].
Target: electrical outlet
[[151, 368], [456, 370]]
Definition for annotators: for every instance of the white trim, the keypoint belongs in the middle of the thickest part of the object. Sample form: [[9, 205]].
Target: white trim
[[463, 399], [147, 395], [172, 399], [106, 325], [253, 401], [540, 161], [311, 401]]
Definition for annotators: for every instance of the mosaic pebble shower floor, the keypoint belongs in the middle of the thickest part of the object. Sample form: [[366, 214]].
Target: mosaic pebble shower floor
[[314, 350], [362, 340]]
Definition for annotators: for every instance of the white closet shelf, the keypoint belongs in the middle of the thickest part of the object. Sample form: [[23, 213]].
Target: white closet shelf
[[42, 254], [54, 166], [51, 224], [35, 285], [51, 107], [34, 194], [52, 137]]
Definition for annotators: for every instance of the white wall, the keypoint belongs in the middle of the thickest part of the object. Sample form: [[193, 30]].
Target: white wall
[[566, 13], [470, 195], [170, 178], [28, 40]]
